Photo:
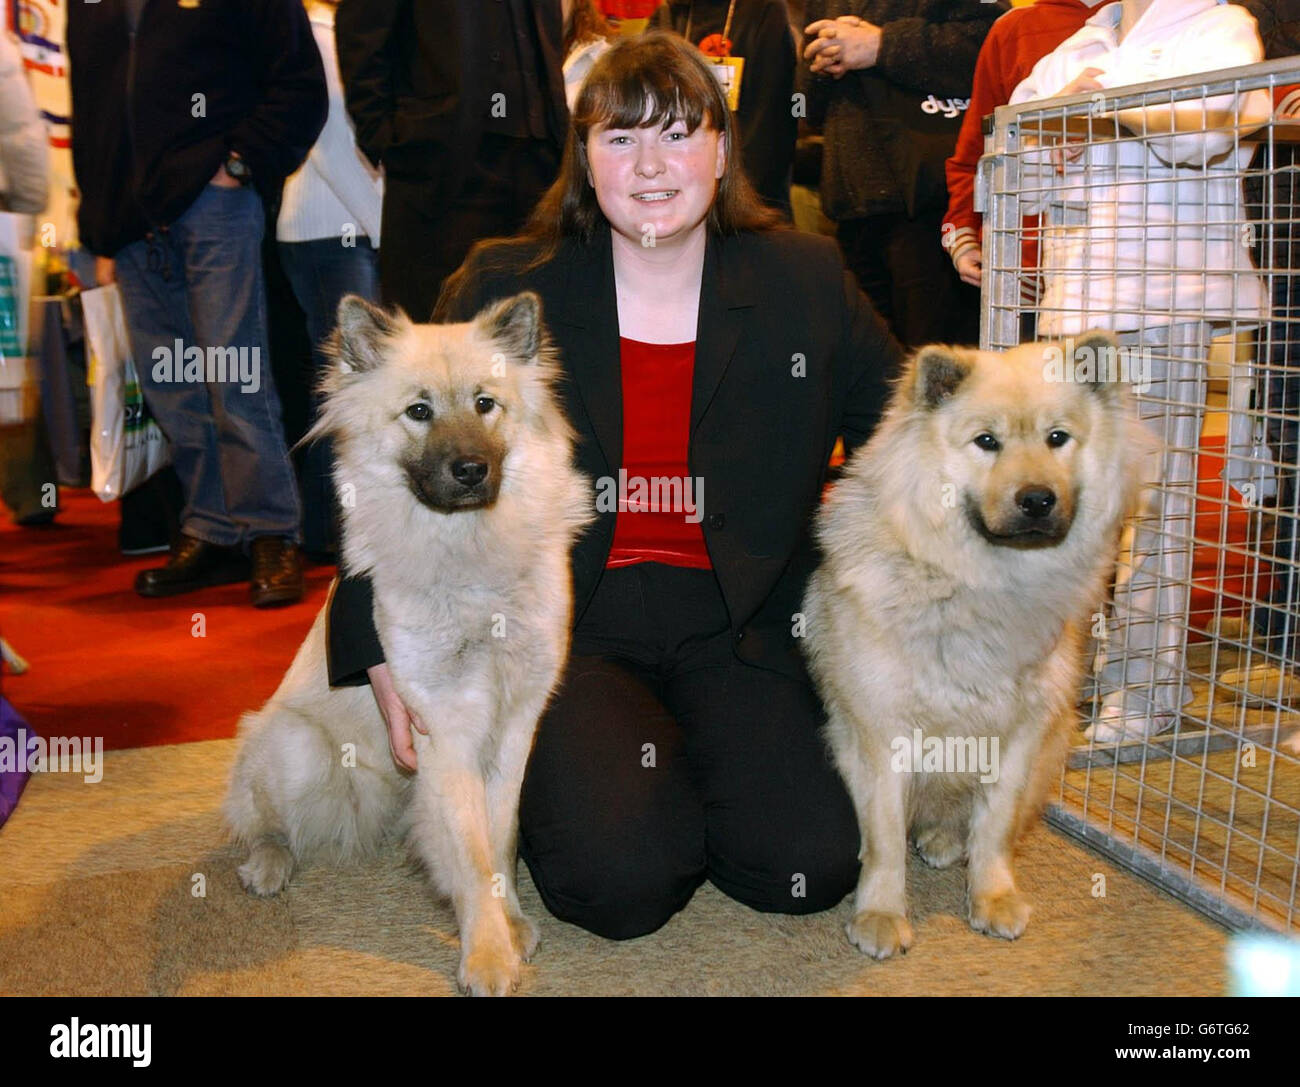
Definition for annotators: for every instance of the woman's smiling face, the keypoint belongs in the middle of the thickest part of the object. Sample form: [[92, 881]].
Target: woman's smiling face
[[655, 182]]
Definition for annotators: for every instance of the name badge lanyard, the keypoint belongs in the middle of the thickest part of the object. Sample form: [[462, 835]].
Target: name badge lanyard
[[717, 51]]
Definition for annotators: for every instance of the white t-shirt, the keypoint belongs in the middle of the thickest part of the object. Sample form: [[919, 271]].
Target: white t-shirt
[[336, 186]]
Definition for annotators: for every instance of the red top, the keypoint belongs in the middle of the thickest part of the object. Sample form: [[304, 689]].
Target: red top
[[660, 506], [1014, 45]]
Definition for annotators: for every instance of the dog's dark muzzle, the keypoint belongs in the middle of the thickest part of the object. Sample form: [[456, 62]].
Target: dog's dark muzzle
[[1036, 520], [466, 481]]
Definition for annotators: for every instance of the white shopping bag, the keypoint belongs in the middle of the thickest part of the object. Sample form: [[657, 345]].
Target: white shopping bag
[[126, 446]]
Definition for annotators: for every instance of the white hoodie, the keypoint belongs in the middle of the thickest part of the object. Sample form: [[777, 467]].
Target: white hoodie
[[336, 184], [1142, 233]]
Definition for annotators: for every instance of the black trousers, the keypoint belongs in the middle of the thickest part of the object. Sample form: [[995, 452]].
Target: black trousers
[[1279, 396], [664, 761], [1273, 200], [424, 241], [903, 269]]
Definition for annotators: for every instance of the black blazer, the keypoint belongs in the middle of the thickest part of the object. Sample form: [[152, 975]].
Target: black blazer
[[418, 80], [789, 355]]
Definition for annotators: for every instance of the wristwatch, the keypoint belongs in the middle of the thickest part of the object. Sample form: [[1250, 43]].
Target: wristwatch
[[237, 168]]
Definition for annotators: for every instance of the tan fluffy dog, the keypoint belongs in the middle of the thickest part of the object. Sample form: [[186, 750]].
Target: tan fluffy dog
[[962, 550], [460, 499]]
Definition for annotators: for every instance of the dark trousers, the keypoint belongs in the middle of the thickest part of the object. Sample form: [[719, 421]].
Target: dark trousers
[[424, 241], [27, 474], [1279, 397], [200, 281], [321, 272], [909, 278], [664, 761], [1273, 200]]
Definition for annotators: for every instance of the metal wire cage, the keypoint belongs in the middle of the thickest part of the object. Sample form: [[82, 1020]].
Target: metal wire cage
[[1167, 213]]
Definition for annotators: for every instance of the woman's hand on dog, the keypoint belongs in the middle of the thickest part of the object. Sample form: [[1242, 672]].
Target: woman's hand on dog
[[398, 718]]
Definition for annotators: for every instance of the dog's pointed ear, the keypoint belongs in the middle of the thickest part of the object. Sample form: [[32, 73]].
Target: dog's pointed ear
[[515, 324], [361, 331], [1097, 362], [937, 372]]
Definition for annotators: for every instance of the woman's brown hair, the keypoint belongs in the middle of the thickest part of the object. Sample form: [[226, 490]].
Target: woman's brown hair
[[658, 79]]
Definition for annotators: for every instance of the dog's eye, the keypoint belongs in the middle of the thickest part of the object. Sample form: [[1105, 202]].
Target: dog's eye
[[1058, 438], [484, 404], [987, 442], [419, 412]]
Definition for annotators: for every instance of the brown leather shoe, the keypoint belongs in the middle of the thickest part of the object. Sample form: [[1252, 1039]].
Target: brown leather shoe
[[277, 572], [194, 564]]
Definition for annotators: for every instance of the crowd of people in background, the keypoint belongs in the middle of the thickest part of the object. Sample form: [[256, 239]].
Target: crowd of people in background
[[365, 147], [379, 141]]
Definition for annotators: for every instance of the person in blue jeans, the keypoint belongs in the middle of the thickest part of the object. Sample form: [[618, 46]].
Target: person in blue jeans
[[328, 234], [186, 117]]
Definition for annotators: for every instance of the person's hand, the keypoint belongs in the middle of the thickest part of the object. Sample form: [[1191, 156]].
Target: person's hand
[[397, 717], [105, 271], [223, 180], [836, 46], [1065, 153], [1084, 81], [970, 265]]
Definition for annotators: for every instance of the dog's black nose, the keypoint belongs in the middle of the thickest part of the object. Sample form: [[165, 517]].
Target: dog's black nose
[[1035, 502], [469, 471]]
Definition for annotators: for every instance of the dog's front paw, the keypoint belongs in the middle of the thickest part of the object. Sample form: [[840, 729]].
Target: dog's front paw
[[880, 935], [525, 936], [1004, 915], [940, 846], [267, 869], [489, 970]]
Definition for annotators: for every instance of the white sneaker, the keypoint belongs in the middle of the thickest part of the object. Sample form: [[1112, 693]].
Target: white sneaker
[[1116, 721]]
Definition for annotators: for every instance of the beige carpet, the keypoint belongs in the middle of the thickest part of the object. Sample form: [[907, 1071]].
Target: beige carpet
[[97, 896]]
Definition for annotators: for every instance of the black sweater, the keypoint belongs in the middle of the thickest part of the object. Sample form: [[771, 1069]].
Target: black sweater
[[420, 76], [155, 114], [927, 46]]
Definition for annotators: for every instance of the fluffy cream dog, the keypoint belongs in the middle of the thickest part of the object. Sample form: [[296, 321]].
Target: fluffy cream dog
[[460, 500], [963, 549]]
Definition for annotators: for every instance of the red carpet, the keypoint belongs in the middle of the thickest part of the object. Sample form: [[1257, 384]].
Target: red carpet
[[106, 662]]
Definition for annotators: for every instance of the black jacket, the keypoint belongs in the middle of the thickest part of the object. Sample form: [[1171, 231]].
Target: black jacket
[[1279, 26], [760, 32], [155, 114], [419, 81], [926, 47], [789, 356]]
